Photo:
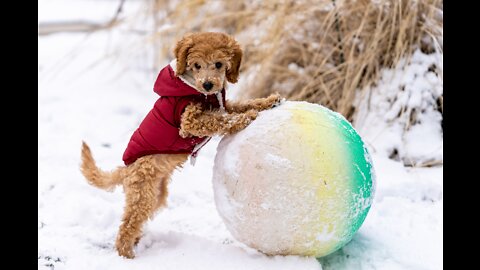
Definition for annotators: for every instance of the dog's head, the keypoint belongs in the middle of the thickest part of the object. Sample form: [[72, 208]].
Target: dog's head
[[212, 58]]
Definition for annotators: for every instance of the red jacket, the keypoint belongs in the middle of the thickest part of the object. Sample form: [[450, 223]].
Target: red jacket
[[158, 132]]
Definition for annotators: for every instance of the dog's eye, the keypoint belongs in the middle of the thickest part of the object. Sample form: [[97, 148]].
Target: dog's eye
[[218, 65], [197, 66]]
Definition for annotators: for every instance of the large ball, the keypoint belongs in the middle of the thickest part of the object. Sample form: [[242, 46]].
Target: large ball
[[297, 181]]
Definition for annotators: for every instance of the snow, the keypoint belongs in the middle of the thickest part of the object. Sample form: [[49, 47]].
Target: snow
[[278, 161], [403, 229], [98, 11], [103, 101], [400, 115]]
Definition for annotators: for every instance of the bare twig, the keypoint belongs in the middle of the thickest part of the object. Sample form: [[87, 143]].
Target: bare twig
[[79, 26]]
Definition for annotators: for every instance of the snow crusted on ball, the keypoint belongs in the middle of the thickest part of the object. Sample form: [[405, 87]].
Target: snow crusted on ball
[[297, 181]]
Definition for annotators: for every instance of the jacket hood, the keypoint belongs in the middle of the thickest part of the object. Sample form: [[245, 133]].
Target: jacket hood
[[168, 84]]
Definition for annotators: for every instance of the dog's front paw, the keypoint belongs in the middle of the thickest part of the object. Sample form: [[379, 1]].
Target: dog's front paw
[[274, 100], [240, 121], [251, 114], [248, 117]]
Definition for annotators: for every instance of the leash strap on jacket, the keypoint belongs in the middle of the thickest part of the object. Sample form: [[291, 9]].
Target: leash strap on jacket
[[193, 156]]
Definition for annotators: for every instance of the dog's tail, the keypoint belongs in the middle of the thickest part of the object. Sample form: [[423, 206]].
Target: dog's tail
[[95, 176]]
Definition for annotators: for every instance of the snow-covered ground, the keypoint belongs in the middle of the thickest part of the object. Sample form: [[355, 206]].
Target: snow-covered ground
[[102, 102]]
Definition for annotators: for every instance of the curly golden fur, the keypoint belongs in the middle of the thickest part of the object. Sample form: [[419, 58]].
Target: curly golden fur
[[145, 182], [211, 57]]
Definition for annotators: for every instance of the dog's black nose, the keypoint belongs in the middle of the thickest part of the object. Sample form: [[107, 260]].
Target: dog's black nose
[[207, 85]]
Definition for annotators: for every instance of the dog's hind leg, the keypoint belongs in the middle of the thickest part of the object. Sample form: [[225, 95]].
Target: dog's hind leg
[[146, 192], [141, 192], [140, 203], [167, 164], [161, 201], [163, 194]]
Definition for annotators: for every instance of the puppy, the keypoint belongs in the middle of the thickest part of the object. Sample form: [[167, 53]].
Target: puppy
[[191, 109]]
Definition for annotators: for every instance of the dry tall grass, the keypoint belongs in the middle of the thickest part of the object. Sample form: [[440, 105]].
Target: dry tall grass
[[320, 51]]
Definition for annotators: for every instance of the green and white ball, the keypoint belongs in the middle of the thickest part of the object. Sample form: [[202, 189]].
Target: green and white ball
[[297, 181]]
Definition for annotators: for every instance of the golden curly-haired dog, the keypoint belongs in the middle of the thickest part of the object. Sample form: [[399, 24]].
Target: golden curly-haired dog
[[206, 61]]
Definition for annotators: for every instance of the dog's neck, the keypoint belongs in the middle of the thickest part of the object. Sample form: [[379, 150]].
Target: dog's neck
[[186, 77]]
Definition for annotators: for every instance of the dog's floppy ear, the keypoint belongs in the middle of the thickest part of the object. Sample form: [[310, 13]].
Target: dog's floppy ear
[[232, 72], [181, 51]]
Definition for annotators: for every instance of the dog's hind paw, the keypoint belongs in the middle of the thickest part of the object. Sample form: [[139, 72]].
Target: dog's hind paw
[[127, 254], [125, 249]]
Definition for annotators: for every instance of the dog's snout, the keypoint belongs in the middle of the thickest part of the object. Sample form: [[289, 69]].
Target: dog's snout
[[207, 85]]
